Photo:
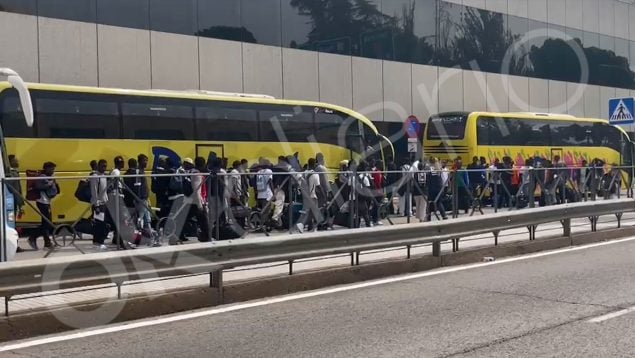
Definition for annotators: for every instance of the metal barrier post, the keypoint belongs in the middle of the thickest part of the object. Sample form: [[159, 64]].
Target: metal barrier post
[[352, 207], [566, 227], [216, 281], [3, 245], [594, 185], [291, 200], [436, 249], [496, 180], [408, 198], [455, 194], [217, 208], [531, 190]]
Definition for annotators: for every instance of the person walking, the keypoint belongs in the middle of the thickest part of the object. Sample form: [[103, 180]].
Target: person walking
[[311, 212], [98, 202], [48, 189], [434, 179]]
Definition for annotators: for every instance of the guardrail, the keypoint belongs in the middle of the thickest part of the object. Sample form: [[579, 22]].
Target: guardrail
[[118, 267]]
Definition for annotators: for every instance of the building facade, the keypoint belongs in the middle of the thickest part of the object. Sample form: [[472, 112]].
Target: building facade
[[385, 58]]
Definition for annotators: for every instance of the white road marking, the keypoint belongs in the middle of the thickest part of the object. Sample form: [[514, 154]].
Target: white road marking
[[116, 328], [609, 316]]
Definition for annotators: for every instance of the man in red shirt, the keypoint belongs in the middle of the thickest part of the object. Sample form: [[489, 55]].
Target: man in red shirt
[[378, 186]]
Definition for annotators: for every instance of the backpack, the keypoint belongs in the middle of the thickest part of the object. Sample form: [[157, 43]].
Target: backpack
[[82, 193], [32, 193], [176, 182], [188, 189]]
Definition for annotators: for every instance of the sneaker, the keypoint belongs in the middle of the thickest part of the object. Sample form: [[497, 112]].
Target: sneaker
[[48, 244], [103, 247], [33, 243], [19, 250], [379, 223], [300, 227]]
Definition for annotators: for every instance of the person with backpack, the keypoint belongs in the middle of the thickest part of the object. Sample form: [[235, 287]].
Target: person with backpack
[[136, 190], [15, 185], [281, 184], [47, 189], [117, 212], [130, 190], [264, 184], [160, 184], [179, 186], [364, 194], [192, 185], [311, 212], [436, 187], [419, 191], [99, 201], [378, 183]]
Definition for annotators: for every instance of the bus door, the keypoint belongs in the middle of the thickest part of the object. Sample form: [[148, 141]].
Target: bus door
[[557, 152], [207, 151]]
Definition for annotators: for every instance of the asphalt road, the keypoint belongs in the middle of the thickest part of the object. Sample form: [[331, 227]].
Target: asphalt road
[[533, 307]]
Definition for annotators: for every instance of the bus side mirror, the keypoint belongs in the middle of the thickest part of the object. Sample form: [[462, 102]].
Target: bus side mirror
[[25, 98]]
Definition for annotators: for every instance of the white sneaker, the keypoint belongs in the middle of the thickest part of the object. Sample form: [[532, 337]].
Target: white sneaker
[[300, 227], [103, 247], [379, 223]]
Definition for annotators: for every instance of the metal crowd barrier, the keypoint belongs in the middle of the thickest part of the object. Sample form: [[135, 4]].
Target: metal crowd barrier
[[117, 267], [347, 201]]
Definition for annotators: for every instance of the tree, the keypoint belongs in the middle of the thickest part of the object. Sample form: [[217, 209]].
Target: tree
[[228, 33]]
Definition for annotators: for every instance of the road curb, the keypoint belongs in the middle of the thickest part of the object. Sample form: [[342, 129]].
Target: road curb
[[37, 323]]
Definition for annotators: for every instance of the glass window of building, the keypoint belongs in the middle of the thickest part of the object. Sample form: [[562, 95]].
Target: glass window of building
[[450, 34], [126, 13], [221, 19], [375, 30], [538, 54], [78, 10], [298, 24], [518, 62], [28, 7], [176, 16], [262, 19], [413, 23], [333, 28], [484, 41]]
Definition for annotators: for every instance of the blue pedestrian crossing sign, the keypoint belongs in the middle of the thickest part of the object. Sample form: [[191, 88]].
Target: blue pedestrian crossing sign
[[621, 110]]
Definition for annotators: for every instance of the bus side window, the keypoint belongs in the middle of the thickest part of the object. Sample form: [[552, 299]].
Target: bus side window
[[327, 127], [11, 117], [286, 123], [62, 115], [227, 122], [158, 121]]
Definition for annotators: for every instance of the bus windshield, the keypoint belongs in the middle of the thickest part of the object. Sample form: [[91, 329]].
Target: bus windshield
[[450, 126]]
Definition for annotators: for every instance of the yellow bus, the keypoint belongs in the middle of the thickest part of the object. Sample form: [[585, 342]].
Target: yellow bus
[[525, 135], [74, 125]]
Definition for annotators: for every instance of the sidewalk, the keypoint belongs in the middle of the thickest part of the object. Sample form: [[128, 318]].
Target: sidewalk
[[65, 297]]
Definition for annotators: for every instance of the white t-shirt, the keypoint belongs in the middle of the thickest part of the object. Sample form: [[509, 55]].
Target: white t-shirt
[[267, 193], [524, 171], [445, 176], [314, 182]]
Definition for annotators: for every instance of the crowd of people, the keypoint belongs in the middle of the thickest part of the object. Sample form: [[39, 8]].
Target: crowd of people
[[208, 198]]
